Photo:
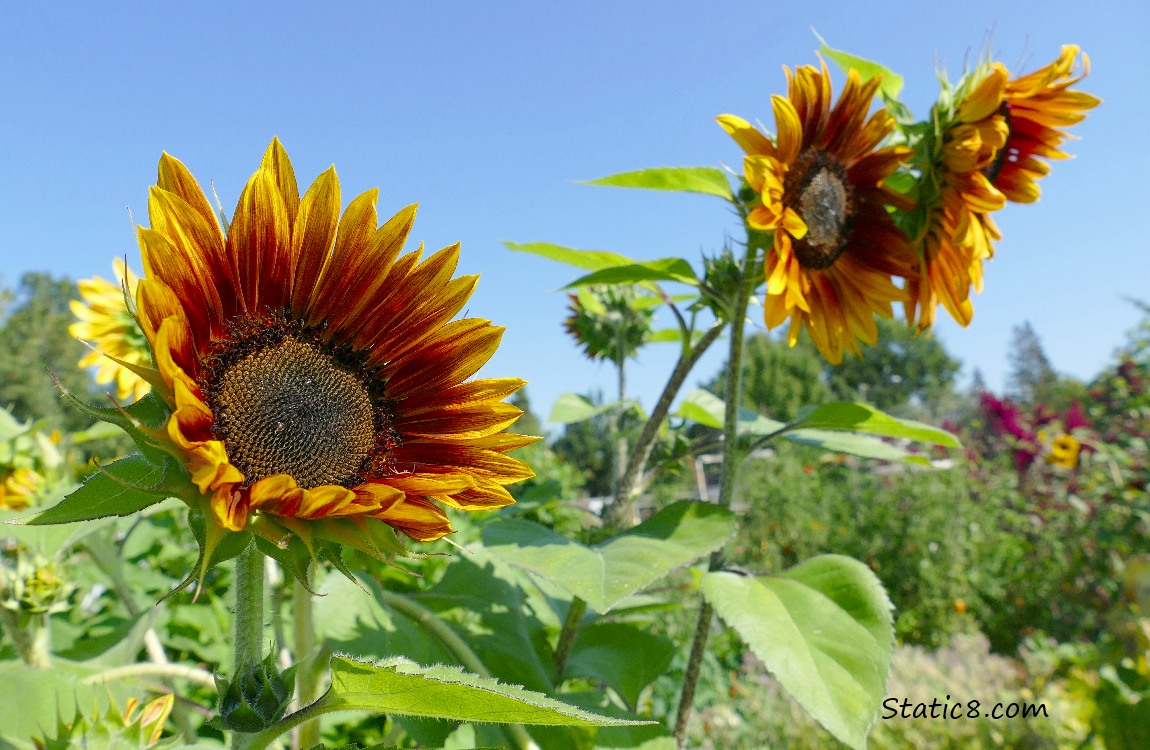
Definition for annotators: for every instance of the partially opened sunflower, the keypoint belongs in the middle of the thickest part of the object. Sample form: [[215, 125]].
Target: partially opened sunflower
[[821, 192], [314, 376]]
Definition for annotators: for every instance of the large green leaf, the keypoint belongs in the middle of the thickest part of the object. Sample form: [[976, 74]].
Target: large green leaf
[[823, 629], [400, 686], [856, 417], [605, 574], [31, 700], [592, 260], [625, 657], [705, 180], [571, 407], [867, 69], [122, 488], [663, 269]]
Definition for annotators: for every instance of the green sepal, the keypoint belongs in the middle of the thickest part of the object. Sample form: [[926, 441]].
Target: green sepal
[[149, 412], [216, 543], [149, 375]]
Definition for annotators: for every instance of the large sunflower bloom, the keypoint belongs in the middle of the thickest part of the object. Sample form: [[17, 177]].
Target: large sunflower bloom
[[313, 373], [104, 320], [821, 193]]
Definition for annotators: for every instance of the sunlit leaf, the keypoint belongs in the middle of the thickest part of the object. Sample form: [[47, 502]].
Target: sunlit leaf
[[571, 407], [705, 180], [891, 82], [857, 417], [592, 260], [123, 487], [400, 686], [664, 269], [823, 629], [605, 574]]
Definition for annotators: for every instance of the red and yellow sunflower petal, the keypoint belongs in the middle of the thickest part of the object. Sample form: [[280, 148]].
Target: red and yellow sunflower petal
[[434, 457], [985, 99], [427, 483], [789, 141], [207, 463], [277, 163], [229, 507], [452, 355], [195, 265], [259, 231], [749, 138], [353, 236], [484, 496], [502, 442], [313, 236], [464, 423], [368, 271], [172, 349], [420, 519]]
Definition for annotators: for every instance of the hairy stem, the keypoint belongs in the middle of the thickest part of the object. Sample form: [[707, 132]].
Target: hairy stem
[[30, 637], [150, 669], [249, 590], [567, 635], [308, 677], [618, 513], [732, 394]]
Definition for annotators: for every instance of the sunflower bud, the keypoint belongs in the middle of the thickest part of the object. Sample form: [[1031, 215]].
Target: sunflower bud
[[256, 698]]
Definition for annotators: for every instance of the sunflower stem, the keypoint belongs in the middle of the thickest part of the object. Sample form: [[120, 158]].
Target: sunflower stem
[[308, 677], [618, 514], [567, 635], [731, 458], [249, 624]]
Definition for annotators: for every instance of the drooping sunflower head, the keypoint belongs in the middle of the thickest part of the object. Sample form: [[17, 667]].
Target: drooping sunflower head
[[820, 190], [105, 321], [989, 137], [315, 379]]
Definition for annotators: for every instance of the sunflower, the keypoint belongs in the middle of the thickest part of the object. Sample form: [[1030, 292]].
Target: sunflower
[[104, 320], [820, 190], [313, 374], [1037, 107], [957, 199], [992, 135]]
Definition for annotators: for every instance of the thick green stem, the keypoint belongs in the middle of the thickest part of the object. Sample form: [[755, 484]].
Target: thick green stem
[[249, 623], [618, 513], [30, 636], [249, 591], [733, 395], [308, 677], [429, 621], [567, 636]]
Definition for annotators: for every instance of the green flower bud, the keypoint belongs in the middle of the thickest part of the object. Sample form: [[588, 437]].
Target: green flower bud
[[257, 696]]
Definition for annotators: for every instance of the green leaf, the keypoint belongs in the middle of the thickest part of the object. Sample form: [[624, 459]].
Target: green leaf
[[592, 260], [855, 444], [571, 407], [708, 410], [663, 269], [705, 180], [846, 415], [625, 657], [400, 686], [823, 629], [123, 487], [891, 82], [605, 574]]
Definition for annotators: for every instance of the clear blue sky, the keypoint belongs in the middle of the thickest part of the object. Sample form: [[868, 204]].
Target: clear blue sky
[[486, 113]]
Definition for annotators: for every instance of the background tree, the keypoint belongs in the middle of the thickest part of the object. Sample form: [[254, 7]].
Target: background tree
[[1032, 379], [900, 371], [778, 379], [34, 340]]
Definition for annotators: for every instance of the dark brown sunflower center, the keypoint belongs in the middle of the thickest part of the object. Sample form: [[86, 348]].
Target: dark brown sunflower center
[[291, 408], [818, 189]]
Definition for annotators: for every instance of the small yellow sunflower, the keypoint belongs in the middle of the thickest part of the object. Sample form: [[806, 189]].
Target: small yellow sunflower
[[19, 487], [822, 193], [1064, 451], [1037, 108], [105, 322], [313, 372]]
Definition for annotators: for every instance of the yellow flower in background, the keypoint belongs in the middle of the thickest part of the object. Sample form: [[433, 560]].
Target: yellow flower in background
[[18, 488], [820, 185], [1064, 451], [314, 373], [992, 140], [104, 322]]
